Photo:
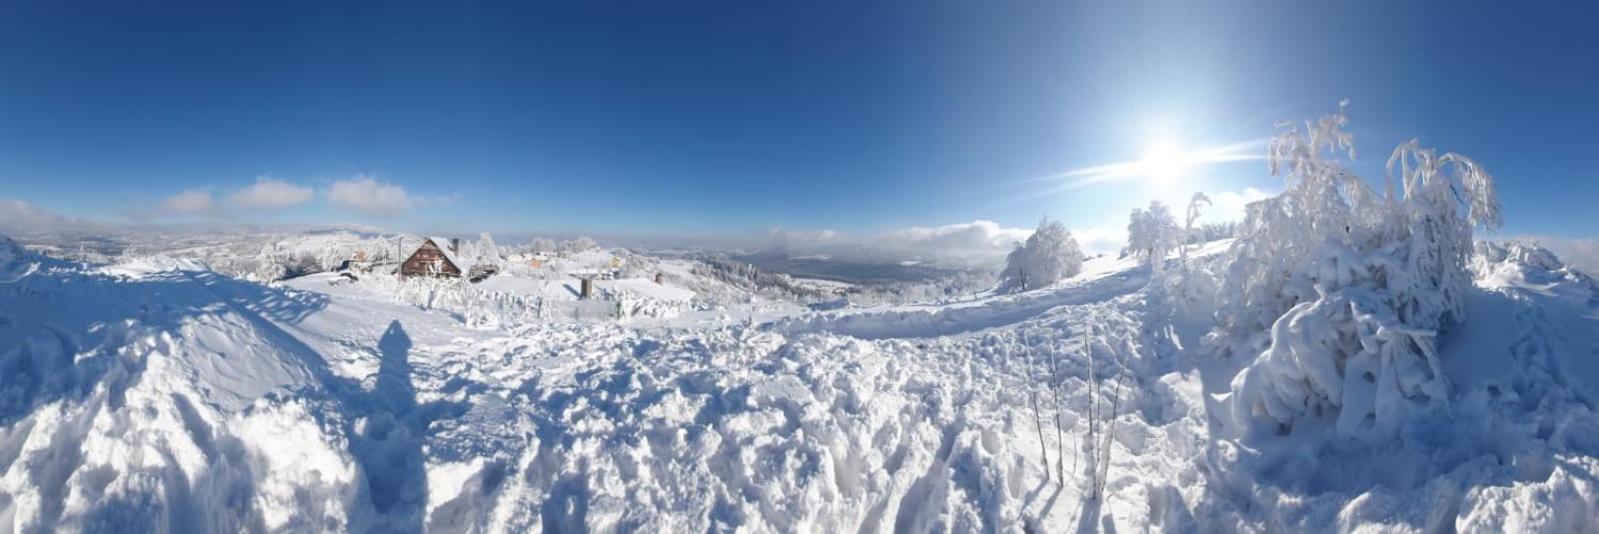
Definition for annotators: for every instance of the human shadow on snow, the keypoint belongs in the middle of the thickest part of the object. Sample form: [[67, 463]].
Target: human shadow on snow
[[84, 336], [387, 430]]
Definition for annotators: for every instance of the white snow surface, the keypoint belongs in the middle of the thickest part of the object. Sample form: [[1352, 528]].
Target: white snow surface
[[162, 396]]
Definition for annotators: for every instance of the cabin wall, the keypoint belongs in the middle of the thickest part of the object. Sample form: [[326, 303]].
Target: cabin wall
[[422, 262]]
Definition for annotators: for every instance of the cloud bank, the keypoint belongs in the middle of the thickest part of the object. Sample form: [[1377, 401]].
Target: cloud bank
[[361, 194], [270, 194], [194, 202], [370, 196], [18, 217]]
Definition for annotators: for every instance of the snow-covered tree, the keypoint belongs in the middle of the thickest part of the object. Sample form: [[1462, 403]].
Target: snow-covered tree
[[487, 252], [1152, 234], [1339, 293], [1014, 276], [1049, 255], [1198, 201], [577, 245]]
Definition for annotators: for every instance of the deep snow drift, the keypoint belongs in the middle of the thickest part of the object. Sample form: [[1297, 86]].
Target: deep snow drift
[[159, 395]]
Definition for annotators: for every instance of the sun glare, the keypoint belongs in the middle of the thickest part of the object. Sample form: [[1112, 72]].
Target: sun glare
[[1164, 162]]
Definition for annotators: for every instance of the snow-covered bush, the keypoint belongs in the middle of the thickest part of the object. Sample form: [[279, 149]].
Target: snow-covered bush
[[1152, 234], [1339, 293], [482, 308], [1195, 285], [1049, 255]]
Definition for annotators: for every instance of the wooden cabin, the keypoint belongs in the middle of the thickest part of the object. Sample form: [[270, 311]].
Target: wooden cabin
[[436, 256]]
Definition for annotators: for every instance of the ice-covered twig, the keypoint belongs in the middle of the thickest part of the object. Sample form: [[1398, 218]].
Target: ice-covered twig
[[1032, 395]]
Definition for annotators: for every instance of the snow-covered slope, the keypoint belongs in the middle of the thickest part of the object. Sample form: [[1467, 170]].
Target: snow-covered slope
[[162, 396]]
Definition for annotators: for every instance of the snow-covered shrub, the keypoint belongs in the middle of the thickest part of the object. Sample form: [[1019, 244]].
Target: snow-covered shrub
[[482, 308], [1152, 234], [1339, 292], [1049, 255], [1195, 285]]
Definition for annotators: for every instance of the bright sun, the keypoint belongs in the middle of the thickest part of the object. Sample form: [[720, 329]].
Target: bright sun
[[1164, 162]]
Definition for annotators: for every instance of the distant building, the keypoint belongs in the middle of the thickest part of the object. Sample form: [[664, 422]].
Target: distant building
[[482, 271], [435, 257]]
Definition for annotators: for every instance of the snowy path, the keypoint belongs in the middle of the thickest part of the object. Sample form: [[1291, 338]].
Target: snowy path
[[932, 320]]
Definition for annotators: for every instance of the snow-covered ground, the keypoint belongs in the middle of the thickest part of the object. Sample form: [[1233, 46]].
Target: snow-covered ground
[[159, 395]]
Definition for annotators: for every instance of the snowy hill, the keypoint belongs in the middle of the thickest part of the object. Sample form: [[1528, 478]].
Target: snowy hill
[[164, 396]]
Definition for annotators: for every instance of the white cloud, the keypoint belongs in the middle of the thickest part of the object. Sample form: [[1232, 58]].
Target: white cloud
[[18, 217], [1101, 239], [369, 195], [268, 193], [1229, 205], [20, 214], [978, 241], [782, 238], [191, 202]]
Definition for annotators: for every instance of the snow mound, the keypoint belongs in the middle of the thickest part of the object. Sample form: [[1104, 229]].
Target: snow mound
[[148, 265], [1516, 451], [15, 261], [126, 402]]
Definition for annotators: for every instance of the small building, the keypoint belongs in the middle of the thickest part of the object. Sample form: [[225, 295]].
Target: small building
[[482, 271], [436, 256]]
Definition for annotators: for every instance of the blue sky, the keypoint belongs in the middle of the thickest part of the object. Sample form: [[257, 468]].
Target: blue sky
[[672, 118]]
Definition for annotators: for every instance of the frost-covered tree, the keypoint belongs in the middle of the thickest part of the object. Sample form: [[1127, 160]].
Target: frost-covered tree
[[577, 245], [1152, 234], [1049, 255], [1198, 201], [487, 252], [1015, 274], [1339, 293]]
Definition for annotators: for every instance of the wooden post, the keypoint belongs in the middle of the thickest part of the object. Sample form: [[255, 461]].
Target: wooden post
[[588, 288]]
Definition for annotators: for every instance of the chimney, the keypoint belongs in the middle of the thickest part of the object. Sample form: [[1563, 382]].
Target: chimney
[[455, 245]]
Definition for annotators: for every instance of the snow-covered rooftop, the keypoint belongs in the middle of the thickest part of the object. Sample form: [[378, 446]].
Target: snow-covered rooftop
[[443, 244]]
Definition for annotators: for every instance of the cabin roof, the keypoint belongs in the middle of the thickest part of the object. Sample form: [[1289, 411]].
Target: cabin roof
[[443, 244]]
